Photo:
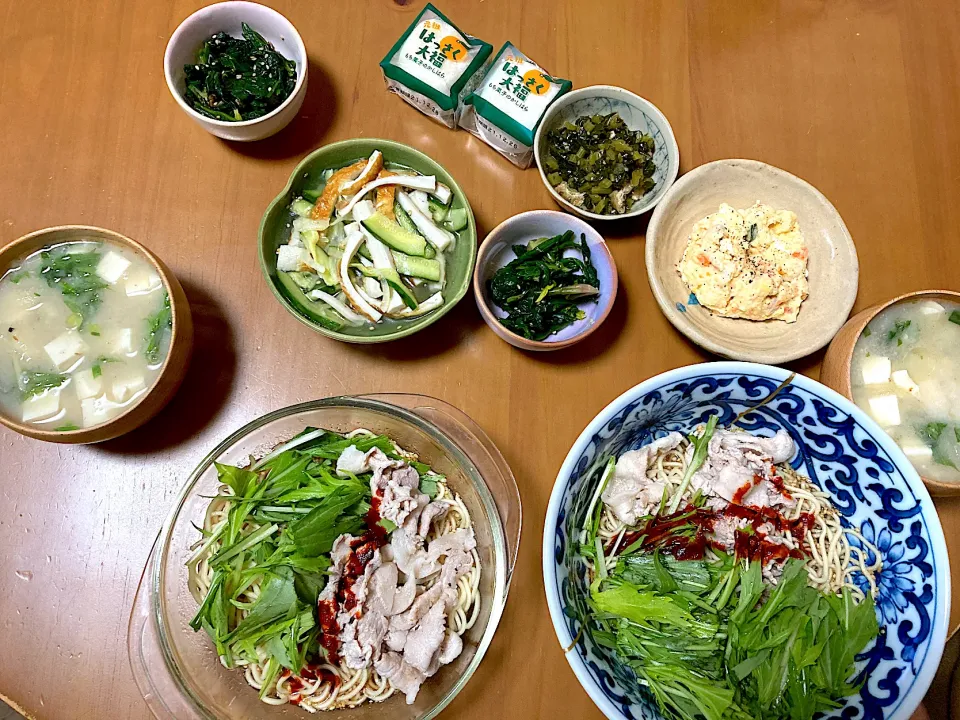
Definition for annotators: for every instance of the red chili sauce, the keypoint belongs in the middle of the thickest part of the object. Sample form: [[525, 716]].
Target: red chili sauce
[[361, 552]]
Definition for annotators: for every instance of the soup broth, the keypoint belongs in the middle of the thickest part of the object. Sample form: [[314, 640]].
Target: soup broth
[[84, 331], [905, 374]]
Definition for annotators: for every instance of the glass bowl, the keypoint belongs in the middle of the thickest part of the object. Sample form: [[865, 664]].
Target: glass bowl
[[178, 671]]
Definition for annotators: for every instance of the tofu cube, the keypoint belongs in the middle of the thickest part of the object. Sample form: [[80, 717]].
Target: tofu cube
[[65, 349], [42, 406], [929, 307], [875, 370], [902, 379], [916, 450], [121, 341], [86, 385], [885, 409], [126, 386], [111, 267], [142, 281], [96, 410]]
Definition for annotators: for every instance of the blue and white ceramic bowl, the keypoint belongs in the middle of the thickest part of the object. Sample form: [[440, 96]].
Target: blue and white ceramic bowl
[[638, 114], [842, 450]]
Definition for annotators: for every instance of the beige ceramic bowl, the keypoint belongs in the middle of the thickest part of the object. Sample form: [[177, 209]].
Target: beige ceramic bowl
[[497, 250], [181, 338], [833, 266], [835, 371]]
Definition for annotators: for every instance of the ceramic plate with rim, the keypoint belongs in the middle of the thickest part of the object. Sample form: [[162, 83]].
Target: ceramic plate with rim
[[833, 266], [277, 222], [844, 452]]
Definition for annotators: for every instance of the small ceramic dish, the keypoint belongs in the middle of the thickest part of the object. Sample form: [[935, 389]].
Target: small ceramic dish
[[496, 251], [833, 267], [172, 371], [638, 114], [835, 371], [278, 219], [227, 17]]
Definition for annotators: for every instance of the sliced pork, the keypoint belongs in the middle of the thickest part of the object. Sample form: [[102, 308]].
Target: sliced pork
[[739, 468], [630, 494], [384, 618]]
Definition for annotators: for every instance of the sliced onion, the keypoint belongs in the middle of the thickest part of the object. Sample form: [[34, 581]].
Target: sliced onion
[[341, 307], [346, 284]]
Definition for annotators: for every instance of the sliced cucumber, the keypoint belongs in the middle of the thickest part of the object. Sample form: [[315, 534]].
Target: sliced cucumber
[[394, 235], [319, 312], [304, 280], [313, 191], [302, 207], [417, 267], [437, 210], [456, 219], [403, 219]]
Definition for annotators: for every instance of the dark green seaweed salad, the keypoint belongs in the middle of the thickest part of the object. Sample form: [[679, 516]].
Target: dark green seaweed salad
[[238, 79], [541, 290], [599, 164]]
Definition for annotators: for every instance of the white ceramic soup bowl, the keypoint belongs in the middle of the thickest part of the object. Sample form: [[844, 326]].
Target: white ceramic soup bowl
[[227, 17], [844, 452]]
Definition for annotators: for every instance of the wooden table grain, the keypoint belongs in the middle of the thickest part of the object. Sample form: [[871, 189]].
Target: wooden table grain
[[859, 97]]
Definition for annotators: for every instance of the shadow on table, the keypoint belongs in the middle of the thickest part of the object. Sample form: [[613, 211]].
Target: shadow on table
[[205, 388], [624, 229], [307, 129]]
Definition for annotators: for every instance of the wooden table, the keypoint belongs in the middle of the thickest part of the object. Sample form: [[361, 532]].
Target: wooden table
[[859, 98]]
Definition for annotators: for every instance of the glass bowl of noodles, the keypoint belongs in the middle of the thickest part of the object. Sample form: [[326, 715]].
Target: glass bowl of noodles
[[870, 540], [179, 671]]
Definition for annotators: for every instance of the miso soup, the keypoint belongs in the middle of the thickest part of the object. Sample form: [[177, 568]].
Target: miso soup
[[905, 375], [84, 331]]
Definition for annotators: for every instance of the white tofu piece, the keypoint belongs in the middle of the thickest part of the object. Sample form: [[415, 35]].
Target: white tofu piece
[[42, 406], [97, 410], [65, 349], [120, 341], [902, 379], [929, 307], [112, 266], [885, 409], [142, 281], [86, 385], [290, 258], [916, 450], [125, 386], [875, 370]]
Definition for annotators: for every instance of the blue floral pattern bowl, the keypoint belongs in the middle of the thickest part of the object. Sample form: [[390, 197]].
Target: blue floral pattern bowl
[[872, 484]]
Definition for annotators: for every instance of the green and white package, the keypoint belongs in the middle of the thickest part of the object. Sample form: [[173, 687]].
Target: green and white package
[[431, 64], [508, 105]]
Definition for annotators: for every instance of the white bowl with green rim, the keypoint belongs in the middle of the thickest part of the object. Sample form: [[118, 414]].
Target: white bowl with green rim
[[638, 114]]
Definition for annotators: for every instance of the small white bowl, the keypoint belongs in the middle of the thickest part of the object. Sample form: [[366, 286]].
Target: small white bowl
[[638, 114], [226, 17]]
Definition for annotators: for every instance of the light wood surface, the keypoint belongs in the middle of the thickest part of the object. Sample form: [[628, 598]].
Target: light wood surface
[[858, 98]]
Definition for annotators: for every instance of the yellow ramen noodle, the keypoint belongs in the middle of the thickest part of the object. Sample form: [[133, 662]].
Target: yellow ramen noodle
[[749, 264]]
